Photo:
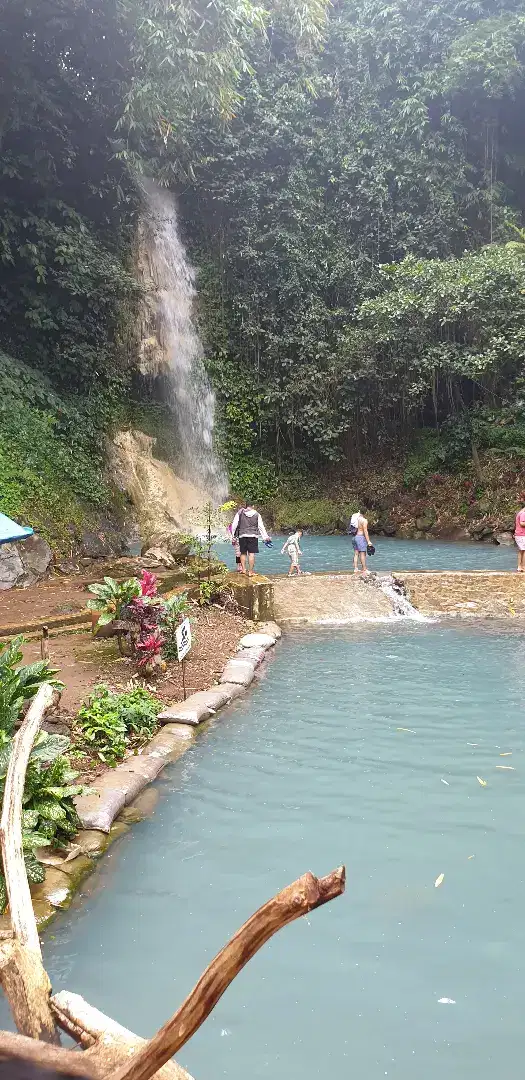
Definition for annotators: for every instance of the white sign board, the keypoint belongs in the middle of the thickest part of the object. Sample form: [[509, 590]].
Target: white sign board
[[183, 639]]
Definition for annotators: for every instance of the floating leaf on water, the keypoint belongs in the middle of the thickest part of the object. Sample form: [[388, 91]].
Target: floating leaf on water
[[439, 881], [446, 1001], [508, 768], [445, 782], [481, 781], [508, 753], [411, 730], [473, 744], [471, 857]]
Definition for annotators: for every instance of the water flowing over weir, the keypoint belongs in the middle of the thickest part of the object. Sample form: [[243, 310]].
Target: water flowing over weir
[[337, 599], [175, 349]]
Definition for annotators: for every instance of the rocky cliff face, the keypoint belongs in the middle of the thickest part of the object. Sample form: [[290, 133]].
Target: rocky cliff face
[[164, 504]]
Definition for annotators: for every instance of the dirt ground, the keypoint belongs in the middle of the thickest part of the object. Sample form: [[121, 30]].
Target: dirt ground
[[83, 662], [64, 595]]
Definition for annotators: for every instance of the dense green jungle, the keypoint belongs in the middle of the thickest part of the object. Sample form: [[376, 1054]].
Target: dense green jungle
[[351, 185]]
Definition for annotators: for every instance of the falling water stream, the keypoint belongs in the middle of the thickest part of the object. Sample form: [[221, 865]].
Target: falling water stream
[[191, 396]]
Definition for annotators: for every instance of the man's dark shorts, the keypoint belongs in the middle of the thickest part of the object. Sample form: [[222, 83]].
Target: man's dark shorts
[[249, 545]]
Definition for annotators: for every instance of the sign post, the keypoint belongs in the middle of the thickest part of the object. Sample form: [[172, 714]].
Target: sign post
[[183, 640]]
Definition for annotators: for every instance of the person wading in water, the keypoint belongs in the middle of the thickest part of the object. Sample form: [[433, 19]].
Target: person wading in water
[[358, 530], [248, 525]]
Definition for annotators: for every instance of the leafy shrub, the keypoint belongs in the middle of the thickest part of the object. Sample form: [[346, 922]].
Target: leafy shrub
[[51, 467], [19, 683], [111, 597], [49, 817], [110, 723], [319, 515], [429, 455], [251, 478]]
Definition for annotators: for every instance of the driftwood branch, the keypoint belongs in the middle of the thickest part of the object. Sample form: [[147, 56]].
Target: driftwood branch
[[22, 973], [53, 1058], [20, 905], [106, 1043], [298, 899]]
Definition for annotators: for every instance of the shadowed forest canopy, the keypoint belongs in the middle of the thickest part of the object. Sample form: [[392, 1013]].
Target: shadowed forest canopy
[[350, 178]]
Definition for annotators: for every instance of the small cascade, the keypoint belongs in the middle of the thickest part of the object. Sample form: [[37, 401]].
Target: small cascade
[[341, 599], [178, 351], [401, 606]]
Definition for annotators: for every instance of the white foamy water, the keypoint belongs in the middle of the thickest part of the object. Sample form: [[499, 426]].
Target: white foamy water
[[191, 396], [401, 606]]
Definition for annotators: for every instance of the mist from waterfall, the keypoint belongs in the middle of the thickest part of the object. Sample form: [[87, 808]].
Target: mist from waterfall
[[190, 394]]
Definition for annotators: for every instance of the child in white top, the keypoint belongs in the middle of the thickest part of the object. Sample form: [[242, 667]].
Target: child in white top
[[292, 549]]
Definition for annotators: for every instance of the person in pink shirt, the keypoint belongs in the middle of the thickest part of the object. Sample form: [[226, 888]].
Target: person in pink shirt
[[519, 537]]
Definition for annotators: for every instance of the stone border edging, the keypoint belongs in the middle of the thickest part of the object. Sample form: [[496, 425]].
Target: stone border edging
[[115, 792]]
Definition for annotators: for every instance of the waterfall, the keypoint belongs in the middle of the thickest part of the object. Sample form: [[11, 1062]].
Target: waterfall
[[401, 605], [190, 395]]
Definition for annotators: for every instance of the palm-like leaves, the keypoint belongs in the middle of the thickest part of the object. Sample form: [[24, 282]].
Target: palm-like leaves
[[49, 816], [19, 683], [111, 596]]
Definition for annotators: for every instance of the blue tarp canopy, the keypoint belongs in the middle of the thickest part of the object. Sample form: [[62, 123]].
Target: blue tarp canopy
[[9, 530]]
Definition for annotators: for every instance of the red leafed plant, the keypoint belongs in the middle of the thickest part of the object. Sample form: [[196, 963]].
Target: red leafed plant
[[149, 648], [148, 584]]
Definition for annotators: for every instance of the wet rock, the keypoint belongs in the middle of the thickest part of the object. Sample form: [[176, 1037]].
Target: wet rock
[[482, 532], [425, 521], [97, 545], [388, 529], [170, 542], [141, 807], [11, 566], [36, 556], [55, 889], [505, 538], [44, 913], [161, 557], [92, 842]]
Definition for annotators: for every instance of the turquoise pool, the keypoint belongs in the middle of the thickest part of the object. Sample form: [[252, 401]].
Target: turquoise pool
[[335, 553], [311, 769]]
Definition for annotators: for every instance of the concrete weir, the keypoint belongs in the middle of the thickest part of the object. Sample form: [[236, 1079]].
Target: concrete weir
[[343, 598]]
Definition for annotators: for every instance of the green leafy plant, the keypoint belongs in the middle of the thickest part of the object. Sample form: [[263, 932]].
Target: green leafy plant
[[111, 597], [174, 609], [19, 682], [110, 723], [49, 817]]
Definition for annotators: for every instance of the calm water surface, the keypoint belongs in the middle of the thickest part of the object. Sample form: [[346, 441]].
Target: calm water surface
[[309, 771], [335, 553]]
